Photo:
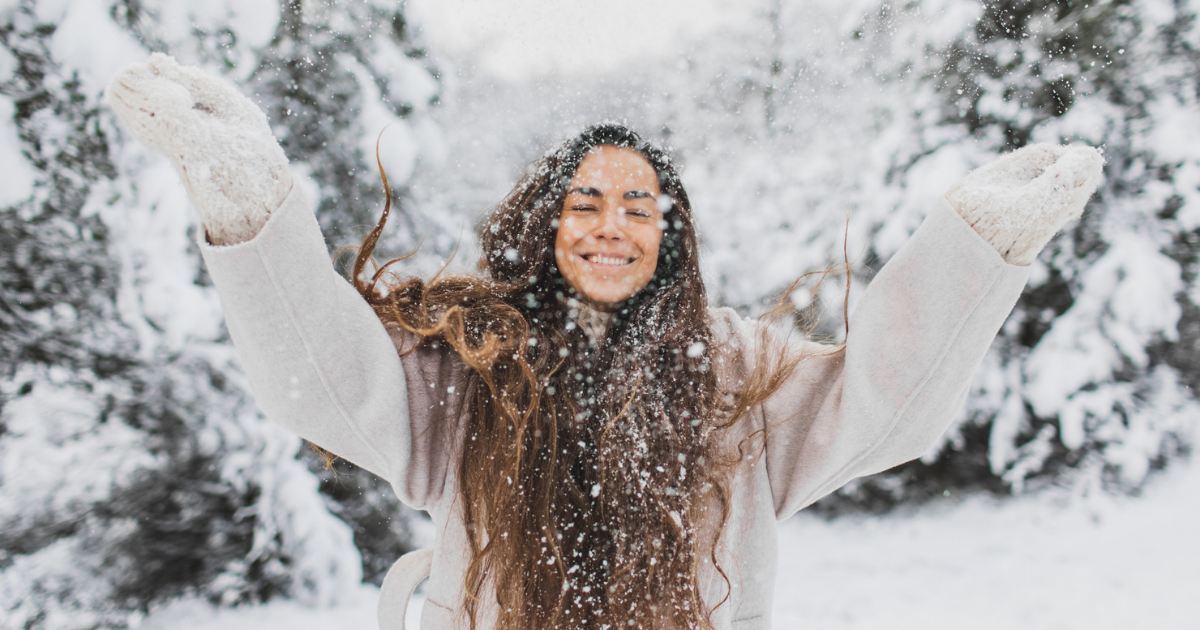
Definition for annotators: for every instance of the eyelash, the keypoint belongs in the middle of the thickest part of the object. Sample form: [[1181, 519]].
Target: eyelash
[[634, 213]]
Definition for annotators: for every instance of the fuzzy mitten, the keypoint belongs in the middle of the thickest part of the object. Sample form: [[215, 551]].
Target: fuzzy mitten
[[1021, 200], [234, 171]]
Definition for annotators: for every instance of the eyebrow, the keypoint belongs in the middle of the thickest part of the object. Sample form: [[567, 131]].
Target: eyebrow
[[592, 192]]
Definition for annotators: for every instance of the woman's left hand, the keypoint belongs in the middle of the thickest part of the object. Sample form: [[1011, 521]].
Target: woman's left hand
[[1020, 201]]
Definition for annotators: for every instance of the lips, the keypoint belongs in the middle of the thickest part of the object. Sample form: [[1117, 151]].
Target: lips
[[607, 260]]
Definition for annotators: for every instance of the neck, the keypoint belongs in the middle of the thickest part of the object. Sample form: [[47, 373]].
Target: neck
[[591, 317]]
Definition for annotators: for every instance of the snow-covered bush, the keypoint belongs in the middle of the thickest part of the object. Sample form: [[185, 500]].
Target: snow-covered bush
[[134, 465]]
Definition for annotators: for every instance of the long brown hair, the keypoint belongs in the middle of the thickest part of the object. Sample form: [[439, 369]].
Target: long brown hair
[[594, 476]]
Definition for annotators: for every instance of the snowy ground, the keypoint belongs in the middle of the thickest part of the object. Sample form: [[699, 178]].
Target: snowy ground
[[1030, 564], [1027, 564]]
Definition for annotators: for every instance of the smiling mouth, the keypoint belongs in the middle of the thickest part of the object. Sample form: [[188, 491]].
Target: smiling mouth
[[607, 261]]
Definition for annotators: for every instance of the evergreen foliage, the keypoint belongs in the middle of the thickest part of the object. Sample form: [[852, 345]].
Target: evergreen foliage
[[134, 466], [1090, 383], [1091, 380]]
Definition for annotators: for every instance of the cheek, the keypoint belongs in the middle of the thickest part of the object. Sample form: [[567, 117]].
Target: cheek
[[651, 242], [569, 231], [562, 235], [650, 245], [562, 247]]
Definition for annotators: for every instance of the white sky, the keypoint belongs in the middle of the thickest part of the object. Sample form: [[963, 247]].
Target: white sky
[[517, 39]]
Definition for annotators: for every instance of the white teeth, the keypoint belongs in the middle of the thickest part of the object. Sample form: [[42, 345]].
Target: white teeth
[[604, 260]]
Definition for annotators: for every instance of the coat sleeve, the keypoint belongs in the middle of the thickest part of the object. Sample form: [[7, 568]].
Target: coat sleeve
[[318, 359], [916, 337]]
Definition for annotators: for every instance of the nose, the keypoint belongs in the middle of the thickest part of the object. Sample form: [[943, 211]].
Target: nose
[[610, 225]]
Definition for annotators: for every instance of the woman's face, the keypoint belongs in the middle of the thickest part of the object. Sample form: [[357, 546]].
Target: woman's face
[[608, 232]]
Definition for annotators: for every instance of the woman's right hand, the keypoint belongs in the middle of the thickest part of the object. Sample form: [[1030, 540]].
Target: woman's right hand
[[220, 143], [1021, 200]]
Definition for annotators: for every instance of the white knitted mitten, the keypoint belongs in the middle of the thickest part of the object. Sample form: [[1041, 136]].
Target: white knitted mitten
[[234, 171], [1021, 200]]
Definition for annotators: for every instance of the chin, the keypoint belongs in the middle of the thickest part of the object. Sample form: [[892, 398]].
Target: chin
[[606, 298], [602, 293]]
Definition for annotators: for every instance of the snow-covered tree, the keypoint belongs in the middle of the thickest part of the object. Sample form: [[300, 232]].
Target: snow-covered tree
[[867, 112], [134, 465], [1090, 382]]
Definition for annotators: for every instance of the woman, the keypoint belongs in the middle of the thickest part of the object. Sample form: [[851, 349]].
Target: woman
[[596, 446]]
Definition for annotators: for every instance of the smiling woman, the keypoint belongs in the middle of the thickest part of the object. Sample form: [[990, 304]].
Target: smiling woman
[[596, 445], [591, 398]]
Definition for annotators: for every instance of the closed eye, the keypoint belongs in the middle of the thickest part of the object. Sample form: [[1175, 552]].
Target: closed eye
[[583, 208], [638, 212]]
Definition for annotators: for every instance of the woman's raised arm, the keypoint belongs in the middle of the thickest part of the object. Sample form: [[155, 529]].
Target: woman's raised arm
[[318, 359], [922, 327]]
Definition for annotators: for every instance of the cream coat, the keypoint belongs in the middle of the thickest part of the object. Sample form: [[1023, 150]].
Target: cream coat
[[321, 364]]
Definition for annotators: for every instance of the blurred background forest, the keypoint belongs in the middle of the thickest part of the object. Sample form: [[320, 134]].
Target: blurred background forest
[[134, 465]]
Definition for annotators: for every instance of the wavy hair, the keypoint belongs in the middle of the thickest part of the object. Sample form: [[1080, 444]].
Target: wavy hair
[[594, 476]]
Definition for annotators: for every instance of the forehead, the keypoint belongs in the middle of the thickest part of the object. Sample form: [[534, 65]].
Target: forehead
[[606, 167]]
